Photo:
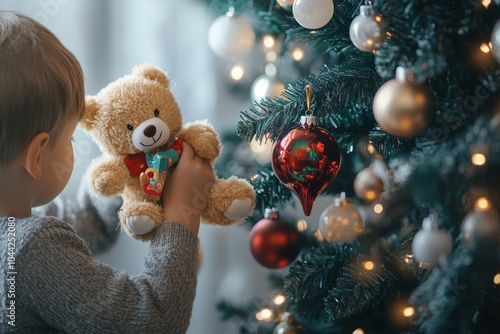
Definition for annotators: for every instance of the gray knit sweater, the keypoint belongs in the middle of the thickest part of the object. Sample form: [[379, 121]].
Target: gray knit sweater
[[49, 282]]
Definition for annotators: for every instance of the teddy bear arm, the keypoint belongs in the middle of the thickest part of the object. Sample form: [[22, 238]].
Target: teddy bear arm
[[108, 177], [203, 138]]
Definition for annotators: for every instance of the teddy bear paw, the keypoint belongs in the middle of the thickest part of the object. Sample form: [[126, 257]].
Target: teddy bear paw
[[140, 224], [239, 208]]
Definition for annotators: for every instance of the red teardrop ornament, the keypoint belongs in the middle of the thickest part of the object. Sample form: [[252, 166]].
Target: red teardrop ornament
[[306, 160]]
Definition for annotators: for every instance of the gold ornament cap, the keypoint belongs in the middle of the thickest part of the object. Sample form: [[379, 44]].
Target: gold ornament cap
[[308, 119]]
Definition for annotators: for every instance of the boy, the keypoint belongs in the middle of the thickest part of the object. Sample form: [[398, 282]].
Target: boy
[[48, 279]]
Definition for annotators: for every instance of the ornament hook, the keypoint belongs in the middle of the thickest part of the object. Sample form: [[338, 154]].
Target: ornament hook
[[309, 99]]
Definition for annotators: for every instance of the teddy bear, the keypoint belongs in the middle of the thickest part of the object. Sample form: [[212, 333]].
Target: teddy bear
[[137, 123]]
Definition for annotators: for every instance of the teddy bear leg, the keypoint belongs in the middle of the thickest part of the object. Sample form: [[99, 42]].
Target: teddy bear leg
[[139, 219], [230, 201]]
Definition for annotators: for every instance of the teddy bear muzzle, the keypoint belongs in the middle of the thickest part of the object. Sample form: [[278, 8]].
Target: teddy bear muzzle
[[150, 134]]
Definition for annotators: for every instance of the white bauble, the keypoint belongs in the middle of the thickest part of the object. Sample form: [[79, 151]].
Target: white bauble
[[230, 36], [431, 246], [313, 14]]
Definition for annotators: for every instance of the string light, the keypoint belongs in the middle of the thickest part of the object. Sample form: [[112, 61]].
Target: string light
[[408, 258], [378, 208], [368, 265], [485, 48], [268, 41], [302, 225], [264, 315], [358, 331], [478, 159], [318, 235], [486, 3], [271, 56], [279, 299], [408, 311], [297, 54], [496, 279], [237, 72], [482, 204]]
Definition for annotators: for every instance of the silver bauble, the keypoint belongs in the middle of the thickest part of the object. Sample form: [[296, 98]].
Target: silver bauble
[[431, 246], [482, 227], [367, 31]]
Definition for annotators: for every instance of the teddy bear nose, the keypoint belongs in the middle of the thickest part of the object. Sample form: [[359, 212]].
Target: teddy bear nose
[[150, 131]]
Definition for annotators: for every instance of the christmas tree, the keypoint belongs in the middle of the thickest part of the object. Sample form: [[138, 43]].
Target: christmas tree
[[404, 117]]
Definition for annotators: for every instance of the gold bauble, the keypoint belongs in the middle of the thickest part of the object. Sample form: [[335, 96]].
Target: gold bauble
[[367, 185], [403, 108]]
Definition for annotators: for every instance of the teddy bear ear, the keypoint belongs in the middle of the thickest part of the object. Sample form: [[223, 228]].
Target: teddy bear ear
[[151, 72], [91, 108]]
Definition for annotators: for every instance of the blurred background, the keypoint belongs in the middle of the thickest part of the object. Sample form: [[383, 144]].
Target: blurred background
[[109, 38]]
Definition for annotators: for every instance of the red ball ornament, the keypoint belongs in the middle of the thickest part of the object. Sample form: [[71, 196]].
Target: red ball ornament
[[306, 160], [273, 242]]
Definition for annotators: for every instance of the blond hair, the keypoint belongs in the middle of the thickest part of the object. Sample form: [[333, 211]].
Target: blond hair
[[41, 84]]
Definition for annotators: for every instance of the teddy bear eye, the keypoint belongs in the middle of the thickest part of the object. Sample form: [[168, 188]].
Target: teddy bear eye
[[157, 112], [130, 127]]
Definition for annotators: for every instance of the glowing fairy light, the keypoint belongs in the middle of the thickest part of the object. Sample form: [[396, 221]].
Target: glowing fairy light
[[485, 48], [279, 299], [298, 54], [264, 315], [302, 225], [268, 41], [482, 204], [378, 208], [478, 159], [408, 311], [368, 265], [237, 72]]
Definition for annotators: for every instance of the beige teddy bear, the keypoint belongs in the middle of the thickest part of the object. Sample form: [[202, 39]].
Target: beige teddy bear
[[137, 123]]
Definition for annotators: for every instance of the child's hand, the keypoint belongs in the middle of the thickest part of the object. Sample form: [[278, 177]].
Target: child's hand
[[187, 188]]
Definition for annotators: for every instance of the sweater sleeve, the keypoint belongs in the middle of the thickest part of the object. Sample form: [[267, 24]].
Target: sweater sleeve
[[73, 293], [93, 217]]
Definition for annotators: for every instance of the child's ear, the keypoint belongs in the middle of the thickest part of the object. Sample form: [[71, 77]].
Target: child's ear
[[32, 158], [91, 108]]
